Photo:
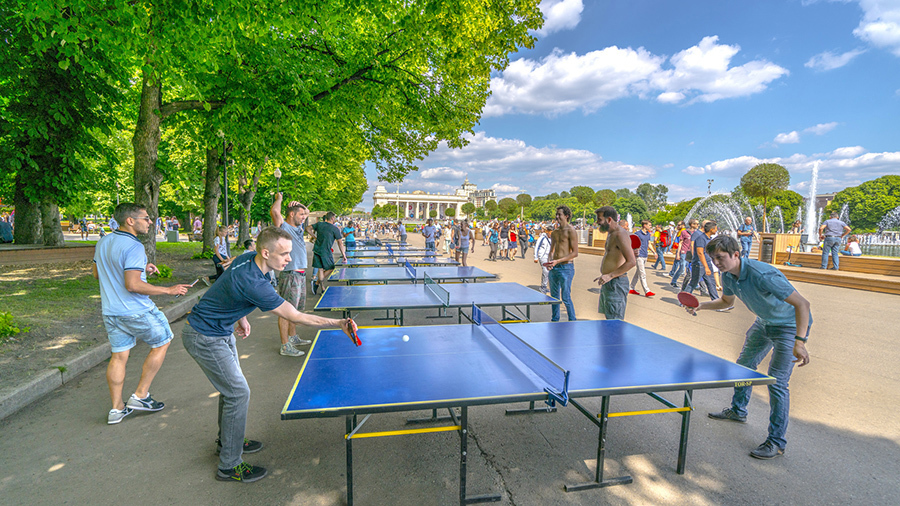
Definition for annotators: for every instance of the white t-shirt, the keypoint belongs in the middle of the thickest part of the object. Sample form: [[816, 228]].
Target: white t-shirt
[[221, 245], [854, 248]]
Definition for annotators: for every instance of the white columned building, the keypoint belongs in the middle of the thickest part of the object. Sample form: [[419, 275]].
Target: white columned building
[[418, 204]]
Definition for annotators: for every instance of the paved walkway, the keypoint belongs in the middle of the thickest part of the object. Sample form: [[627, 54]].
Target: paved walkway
[[844, 437]]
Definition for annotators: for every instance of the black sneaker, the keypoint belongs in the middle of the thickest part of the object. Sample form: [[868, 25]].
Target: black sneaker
[[250, 446], [242, 472], [728, 414], [767, 450]]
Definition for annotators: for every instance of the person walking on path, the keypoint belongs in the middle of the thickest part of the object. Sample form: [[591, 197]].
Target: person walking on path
[[783, 321], [466, 241], [209, 338], [120, 264], [832, 232], [429, 233], [220, 251], [325, 234], [746, 232], [684, 247], [401, 232], [494, 233], [644, 234], [701, 264], [513, 242], [291, 279], [524, 238], [563, 251], [618, 259], [542, 257]]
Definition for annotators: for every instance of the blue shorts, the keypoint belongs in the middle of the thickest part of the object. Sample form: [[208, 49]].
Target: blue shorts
[[152, 327]]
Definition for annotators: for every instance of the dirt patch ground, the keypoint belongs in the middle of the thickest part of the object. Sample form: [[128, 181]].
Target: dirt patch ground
[[61, 304]]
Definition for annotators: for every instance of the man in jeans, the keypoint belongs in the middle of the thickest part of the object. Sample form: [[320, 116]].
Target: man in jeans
[[563, 250], [832, 232], [684, 247], [209, 338], [644, 235], [782, 325], [120, 264], [429, 233], [292, 279], [701, 264]]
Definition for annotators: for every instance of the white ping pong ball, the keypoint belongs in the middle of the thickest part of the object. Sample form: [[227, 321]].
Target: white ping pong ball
[[405, 337]]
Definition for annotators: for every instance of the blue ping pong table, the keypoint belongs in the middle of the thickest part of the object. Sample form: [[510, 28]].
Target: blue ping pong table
[[383, 275], [457, 366], [395, 261], [384, 248], [397, 298], [357, 253]]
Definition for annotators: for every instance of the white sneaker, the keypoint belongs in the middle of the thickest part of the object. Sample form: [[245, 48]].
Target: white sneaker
[[116, 415], [296, 341], [289, 351]]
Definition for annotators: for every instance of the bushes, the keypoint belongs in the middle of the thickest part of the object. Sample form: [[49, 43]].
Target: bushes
[[8, 328]]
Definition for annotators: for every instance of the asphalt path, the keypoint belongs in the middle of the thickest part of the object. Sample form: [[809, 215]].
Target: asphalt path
[[843, 439]]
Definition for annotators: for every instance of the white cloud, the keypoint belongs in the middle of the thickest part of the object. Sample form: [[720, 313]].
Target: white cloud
[[564, 82], [831, 61], [442, 173], [536, 170], [880, 24], [791, 138], [506, 190], [560, 15], [838, 169], [821, 128], [794, 137]]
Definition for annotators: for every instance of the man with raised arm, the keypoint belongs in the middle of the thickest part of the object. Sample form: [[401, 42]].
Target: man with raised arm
[[209, 338], [563, 250], [618, 259], [783, 320], [292, 279], [120, 263]]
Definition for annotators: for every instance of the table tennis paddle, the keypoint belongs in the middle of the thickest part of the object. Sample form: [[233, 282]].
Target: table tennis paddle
[[688, 300], [635, 242], [353, 335]]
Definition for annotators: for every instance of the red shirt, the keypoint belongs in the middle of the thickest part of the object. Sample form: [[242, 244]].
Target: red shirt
[[512, 235]]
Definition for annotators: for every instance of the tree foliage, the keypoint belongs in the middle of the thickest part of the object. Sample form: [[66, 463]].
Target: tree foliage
[[509, 207], [763, 181], [868, 202], [604, 198], [468, 208], [633, 205], [654, 196]]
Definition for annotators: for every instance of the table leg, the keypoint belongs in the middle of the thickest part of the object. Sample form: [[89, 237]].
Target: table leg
[[350, 424], [685, 427], [463, 456], [598, 482]]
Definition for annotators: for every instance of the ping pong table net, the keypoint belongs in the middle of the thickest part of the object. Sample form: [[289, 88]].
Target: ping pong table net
[[390, 250], [410, 270], [555, 377], [437, 291]]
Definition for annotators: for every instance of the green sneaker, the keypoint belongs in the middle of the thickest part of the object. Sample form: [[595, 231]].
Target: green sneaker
[[242, 472]]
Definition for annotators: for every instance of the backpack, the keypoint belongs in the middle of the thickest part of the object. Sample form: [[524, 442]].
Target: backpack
[[664, 238]]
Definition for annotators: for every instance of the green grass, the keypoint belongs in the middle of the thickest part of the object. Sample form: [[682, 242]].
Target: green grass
[[42, 300]]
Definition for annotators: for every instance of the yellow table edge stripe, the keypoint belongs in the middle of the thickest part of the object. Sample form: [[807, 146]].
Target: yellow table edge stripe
[[403, 432], [648, 412]]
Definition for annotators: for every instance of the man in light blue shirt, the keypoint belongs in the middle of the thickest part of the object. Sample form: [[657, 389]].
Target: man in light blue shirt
[[746, 232], [120, 264], [783, 320], [292, 279], [113, 224]]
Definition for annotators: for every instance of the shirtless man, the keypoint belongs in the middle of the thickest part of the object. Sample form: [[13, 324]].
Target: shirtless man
[[618, 259], [563, 250]]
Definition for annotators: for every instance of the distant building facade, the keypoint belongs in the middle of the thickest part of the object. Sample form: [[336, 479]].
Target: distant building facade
[[417, 204]]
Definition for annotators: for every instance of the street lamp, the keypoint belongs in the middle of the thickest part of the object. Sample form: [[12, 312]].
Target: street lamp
[[709, 183]]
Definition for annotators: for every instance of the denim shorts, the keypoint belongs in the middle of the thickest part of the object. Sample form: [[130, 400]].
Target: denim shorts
[[152, 327]]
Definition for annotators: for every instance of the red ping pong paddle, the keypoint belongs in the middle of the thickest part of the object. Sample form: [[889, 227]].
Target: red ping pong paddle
[[635, 242], [688, 300], [353, 335]]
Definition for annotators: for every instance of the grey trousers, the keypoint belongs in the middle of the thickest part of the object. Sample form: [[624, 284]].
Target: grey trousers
[[218, 358]]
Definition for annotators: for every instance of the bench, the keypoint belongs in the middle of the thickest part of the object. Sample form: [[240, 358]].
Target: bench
[[863, 264]]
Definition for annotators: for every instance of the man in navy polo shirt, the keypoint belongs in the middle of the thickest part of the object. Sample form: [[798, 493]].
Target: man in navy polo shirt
[[209, 338], [782, 325], [120, 263]]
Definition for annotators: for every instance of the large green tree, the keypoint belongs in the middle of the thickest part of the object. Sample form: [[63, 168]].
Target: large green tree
[[524, 200], [869, 202], [633, 205], [395, 78], [763, 181], [604, 197], [584, 195], [653, 195]]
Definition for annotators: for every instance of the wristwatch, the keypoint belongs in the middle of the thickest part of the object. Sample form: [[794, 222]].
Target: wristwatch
[[804, 339]]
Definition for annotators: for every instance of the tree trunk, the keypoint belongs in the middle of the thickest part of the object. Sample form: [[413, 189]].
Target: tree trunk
[[145, 142], [28, 218], [211, 198], [246, 200], [52, 229]]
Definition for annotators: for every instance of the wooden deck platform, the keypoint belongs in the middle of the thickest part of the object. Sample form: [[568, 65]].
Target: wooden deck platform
[[845, 279]]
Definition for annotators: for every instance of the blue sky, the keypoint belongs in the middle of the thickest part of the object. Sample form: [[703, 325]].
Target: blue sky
[[616, 93]]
